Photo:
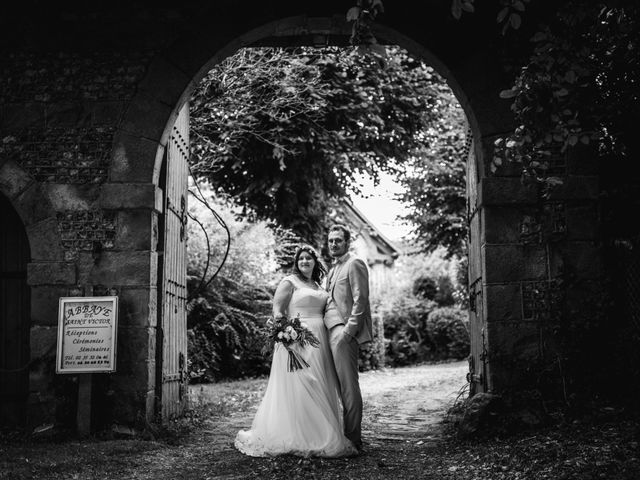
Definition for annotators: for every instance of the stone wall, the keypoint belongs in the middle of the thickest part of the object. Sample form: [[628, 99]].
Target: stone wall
[[543, 274], [90, 233], [88, 94]]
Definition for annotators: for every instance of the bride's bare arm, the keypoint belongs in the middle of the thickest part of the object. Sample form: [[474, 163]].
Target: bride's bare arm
[[282, 297]]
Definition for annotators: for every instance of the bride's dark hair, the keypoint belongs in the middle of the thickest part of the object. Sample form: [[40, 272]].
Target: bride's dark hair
[[319, 270]]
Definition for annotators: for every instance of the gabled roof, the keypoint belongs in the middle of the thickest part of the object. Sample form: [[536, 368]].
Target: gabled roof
[[380, 248]]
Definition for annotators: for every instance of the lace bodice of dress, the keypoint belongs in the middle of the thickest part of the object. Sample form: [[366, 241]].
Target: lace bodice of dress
[[305, 300]]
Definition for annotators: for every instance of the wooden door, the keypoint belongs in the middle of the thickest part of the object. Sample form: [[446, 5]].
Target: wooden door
[[477, 357], [15, 321], [172, 292]]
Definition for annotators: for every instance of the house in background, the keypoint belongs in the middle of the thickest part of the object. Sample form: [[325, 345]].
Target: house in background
[[371, 245]]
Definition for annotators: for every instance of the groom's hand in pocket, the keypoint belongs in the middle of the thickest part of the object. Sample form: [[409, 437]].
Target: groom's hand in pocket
[[346, 338]]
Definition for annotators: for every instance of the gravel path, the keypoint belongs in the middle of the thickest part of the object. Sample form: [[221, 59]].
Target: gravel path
[[402, 403], [409, 402], [403, 434]]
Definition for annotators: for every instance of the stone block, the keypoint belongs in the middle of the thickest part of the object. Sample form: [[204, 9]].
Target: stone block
[[137, 307], [195, 62], [115, 196], [140, 372], [44, 304], [33, 205], [51, 273], [148, 117], [43, 342], [13, 179], [41, 378], [129, 400], [513, 263], [502, 377], [85, 263], [72, 197], [503, 303], [120, 268], [165, 82], [582, 260], [515, 343], [515, 354], [44, 241], [123, 384], [136, 353], [582, 222], [506, 191], [502, 224], [136, 159], [137, 230], [297, 26], [576, 188]]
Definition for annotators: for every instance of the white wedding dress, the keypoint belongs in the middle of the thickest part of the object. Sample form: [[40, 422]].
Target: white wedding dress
[[299, 413]]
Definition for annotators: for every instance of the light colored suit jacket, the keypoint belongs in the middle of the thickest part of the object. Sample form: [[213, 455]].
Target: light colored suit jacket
[[348, 288]]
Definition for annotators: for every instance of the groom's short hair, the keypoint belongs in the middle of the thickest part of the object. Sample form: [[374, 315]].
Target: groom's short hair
[[339, 227]]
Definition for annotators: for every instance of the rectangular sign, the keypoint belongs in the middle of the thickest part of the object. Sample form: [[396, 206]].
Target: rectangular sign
[[87, 334]]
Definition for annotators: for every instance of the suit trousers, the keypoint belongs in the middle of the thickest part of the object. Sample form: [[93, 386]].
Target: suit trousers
[[345, 358]]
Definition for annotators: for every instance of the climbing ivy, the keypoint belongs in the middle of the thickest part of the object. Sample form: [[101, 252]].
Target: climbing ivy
[[580, 86]]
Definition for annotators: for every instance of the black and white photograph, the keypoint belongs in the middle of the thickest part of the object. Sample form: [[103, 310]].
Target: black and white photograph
[[347, 239]]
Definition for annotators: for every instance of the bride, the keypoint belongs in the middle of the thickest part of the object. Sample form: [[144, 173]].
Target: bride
[[299, 413]]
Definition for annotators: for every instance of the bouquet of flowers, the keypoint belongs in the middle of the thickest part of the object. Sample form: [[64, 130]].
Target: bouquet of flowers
[[289, 331]]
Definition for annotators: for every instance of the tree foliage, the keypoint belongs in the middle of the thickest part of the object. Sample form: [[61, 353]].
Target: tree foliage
[[286, 131], [580, 86], [226, 318], [435, 183]]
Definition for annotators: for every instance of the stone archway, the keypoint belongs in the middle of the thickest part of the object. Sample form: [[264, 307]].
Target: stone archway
[[45, 268], [174, 74], [108, 101], [14, 316]]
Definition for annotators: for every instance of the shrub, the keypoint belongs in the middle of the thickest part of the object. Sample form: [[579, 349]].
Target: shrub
[[440, 289], [226, 317], [447, 328], [226, 332], [418, 330], [425, 287], [445, 294], [203, 362], [405, 330]]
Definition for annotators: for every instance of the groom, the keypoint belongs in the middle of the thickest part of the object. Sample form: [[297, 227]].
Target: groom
[[348, 319]]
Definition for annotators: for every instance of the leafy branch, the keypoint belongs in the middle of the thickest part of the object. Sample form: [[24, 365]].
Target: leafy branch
[[287, 131], [509, 15], [578, 87]]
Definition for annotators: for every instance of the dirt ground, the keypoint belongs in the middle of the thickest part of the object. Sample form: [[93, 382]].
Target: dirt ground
[[404, 430]]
